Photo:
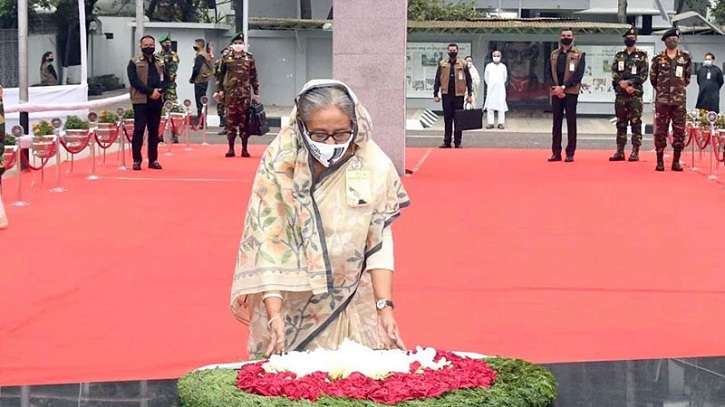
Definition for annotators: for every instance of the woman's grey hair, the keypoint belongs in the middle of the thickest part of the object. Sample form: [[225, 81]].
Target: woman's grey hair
[[323, 98]]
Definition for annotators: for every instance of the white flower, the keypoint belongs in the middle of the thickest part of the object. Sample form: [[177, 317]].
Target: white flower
[[352, 357]]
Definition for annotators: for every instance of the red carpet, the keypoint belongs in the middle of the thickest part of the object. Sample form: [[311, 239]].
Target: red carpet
[[128, 277]]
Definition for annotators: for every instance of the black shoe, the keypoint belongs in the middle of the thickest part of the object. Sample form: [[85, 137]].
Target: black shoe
[[635, 155], [490, 126], [137, 166], [555, 157], [245, 153], [569, 159], [155, 166], [223, 132], [229, 153], [445, 146], [459, 146], [676, 161], [619, 155]]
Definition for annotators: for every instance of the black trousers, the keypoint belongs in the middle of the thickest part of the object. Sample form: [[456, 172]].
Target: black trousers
[[147, 115], [451, 103], [560, 106], [200, 92]]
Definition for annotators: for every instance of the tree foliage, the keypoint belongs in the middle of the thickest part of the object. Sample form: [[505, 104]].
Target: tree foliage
[[718, 11], [9, 11], [441, 10]]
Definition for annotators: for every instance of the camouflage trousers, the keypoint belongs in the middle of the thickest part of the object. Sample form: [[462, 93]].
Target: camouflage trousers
[[628, 110], [170, 93], [236, 113], [664, 115]]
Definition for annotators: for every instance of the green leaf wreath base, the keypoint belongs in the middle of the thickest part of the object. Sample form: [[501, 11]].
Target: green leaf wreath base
[[518, 384]]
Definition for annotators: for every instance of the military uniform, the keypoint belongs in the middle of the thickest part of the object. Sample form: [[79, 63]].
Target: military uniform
[[238, 74], [171, 60], [220, 108], [633, 68], [670, 77]]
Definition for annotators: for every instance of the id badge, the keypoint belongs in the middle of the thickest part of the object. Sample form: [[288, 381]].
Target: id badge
[[708, 75], [359, 190], [460, 75], [620, 66], [571, 67], [678, 72], [634, 70]]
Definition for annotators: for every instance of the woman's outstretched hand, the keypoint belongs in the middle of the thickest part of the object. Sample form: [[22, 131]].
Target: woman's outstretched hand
[[277, 336], [388, 330]]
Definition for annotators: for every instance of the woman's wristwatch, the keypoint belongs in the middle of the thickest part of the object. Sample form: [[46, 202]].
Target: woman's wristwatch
[[383, 303]]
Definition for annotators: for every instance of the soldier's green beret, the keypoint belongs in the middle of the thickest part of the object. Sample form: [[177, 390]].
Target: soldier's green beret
[[632, 31], [166, 37], [672, 32], [237, 36]]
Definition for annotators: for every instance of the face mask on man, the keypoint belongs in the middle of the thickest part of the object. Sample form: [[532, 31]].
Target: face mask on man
[[147, 50], [50, 59], [167, 48], [496, 59], [238, 47], [671, 44], [707, 62], [567, 41], [629, 42], [195, 48], [452, 54]]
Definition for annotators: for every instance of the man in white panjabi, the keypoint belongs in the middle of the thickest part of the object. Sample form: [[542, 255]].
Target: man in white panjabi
[[475, 79], [495, 76]]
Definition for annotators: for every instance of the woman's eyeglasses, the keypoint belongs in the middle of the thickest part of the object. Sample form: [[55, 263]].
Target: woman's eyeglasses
[[338, 136]]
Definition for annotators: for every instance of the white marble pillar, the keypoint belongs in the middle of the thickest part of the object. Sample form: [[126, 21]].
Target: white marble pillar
[[368, 54]]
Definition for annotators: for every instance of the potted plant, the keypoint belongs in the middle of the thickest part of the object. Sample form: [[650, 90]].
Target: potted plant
[[107, 126], [76, 130], [8, 145], [128, 121], [42, 138]]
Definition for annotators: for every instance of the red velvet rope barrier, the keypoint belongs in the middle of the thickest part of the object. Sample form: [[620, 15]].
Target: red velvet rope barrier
[[688, 130], [44, 161], [11, 160], [183, 125], [125, 133], [717, 148], [699, 135], [75, 150], [106, 145], [200, 125]]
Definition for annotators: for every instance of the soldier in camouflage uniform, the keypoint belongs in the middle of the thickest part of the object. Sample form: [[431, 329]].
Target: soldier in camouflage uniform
[[670, 75], [171, 59], [238, 75], [220, 108], [629, 73]]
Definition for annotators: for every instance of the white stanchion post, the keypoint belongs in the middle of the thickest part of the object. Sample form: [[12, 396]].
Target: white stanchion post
[[187, 121], [122, 135], [168, 105], [56, 122], [93, 118], [712, 118], [18, 131], [204, 101]]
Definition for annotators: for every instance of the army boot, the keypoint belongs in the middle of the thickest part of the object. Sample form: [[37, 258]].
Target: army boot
[[634, 156], [223, 125], [660, 161], [676, 161], [230, 153], [245, 153], [619, 155]]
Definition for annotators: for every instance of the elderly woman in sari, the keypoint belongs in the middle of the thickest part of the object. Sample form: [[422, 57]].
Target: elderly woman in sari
[[315, 262]]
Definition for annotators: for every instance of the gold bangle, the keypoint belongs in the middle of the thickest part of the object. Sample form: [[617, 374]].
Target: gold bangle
[[271, 319]]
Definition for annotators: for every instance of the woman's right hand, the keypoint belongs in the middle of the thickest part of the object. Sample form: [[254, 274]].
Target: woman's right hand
[[277, 337]]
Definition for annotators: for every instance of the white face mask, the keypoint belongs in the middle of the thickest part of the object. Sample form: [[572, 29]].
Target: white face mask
[[327, 154], [708, 62], [238, 47], [497, 59]]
